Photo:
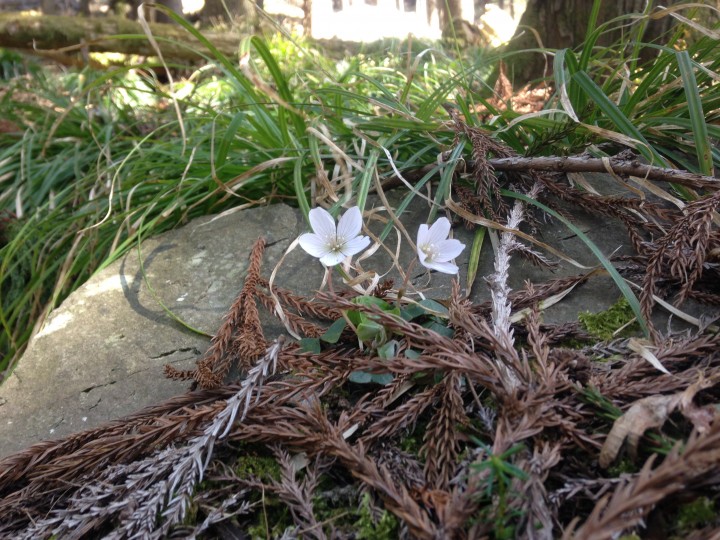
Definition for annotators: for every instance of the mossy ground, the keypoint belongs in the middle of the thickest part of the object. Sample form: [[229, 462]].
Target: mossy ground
[[614, 322]]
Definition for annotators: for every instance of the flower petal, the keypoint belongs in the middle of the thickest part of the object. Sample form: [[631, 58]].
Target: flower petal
[[449, 249], [422, 256], [444, 267], [439, 231], [355, 245], [314, 245], [422, 238], [332, 258], [350, 224], [322, 223]]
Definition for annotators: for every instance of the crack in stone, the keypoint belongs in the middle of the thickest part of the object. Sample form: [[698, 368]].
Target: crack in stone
[[275, 242], [194, 350], [91, 388]]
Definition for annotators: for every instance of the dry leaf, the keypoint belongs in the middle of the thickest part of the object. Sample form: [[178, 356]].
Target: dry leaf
[[646, 413], [651, 412]]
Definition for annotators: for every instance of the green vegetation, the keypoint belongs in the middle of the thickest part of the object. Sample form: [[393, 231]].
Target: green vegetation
[[497, 473], [606, 324], [249, 464], [92, 161], [699, 513], [370, 528]]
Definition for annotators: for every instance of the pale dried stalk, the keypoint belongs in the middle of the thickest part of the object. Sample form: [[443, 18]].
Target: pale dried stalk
[[189, 467], [158, 486], [500, 293]]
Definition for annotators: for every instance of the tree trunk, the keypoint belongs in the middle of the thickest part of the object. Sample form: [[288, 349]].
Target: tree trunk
[[232, 11], [174, 5], [563, 24], [307, 17], [50, 32], [450, 16], [152, 15]]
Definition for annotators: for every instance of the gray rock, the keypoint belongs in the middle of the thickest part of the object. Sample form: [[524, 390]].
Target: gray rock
[[101, 354]]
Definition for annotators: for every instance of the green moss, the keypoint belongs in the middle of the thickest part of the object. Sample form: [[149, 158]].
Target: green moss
[[264, 468], [574, 343], [605, 323], [411, 444], [624, 466], [699, 513], [271, 521], [273, 517], [190, 518], [386, 528]]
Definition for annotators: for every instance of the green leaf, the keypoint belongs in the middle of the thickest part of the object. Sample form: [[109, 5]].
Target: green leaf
[[370, 331], [280, 82], [563, 82], [440, 329], [474, 258], [389, 350], [332, 334], [224, 146], [435, 307], [360, 377], [413, 311], [448, 173], [382, 378], [424, 307], [298, 182], [373, 301], [311, 345], [621, 122]]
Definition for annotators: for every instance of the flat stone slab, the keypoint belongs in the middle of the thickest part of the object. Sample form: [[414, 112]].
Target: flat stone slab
[[101, 354]]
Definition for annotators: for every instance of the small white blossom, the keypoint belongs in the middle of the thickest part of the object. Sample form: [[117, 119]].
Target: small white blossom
[[435, 250], [330, 244]]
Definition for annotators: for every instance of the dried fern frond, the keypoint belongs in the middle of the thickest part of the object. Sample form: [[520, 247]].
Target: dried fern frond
[[629, 504], [240, 336], [150, 495], [441, 440], [681, 253]]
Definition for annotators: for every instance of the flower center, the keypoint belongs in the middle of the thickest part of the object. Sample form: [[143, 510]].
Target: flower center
[[335, 243], [430, 251]]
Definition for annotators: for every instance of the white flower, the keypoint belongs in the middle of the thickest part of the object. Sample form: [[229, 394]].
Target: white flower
[[435, 250], [332, 245]]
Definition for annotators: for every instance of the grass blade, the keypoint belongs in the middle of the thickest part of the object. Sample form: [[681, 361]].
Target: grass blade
[[621, 122], [697, 116], [616, 277]]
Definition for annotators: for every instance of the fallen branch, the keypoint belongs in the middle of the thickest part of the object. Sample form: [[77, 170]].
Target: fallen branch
[[54, 34], [618, 166]]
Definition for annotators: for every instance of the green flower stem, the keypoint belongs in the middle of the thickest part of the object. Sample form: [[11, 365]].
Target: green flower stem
[[344, 274]]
